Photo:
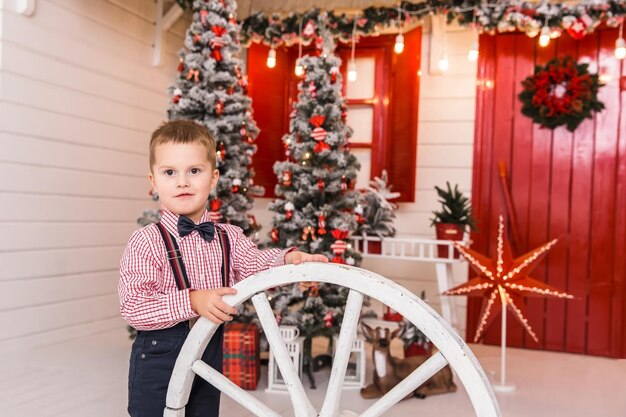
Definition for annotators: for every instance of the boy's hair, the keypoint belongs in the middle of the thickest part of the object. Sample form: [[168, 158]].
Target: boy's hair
[[183, 131]]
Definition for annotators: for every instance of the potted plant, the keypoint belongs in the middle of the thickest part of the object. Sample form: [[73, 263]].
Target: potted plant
[[454, 217]]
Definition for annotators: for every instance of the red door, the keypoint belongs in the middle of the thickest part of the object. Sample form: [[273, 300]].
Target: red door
[[567, 185]]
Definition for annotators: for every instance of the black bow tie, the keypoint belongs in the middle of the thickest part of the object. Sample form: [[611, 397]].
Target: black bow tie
[[186, 226]]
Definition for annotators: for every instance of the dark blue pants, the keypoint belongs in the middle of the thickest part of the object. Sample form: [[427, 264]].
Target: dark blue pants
[[152, 360]]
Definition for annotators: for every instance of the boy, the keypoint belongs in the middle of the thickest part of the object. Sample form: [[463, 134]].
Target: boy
[[176, 270]]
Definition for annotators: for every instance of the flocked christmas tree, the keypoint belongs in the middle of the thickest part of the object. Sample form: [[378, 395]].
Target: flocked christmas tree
[[375, 212], [212, 90], [315, 194]]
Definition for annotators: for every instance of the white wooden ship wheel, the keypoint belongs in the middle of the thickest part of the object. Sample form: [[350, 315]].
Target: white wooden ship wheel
[[451, 348]]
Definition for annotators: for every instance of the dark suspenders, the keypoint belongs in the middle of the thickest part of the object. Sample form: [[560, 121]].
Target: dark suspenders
[[176, 260]]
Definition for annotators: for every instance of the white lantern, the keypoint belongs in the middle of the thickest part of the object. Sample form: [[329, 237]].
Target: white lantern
[[294, 344], [355, 373]]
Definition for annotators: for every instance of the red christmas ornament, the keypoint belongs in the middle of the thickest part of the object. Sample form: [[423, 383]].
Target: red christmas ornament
[[230, 90], [236, 185], [219, 107], [309, 29], [578, 29], [287, 178], [328, 319], [321, 224], [177, 95], [333, 74], [314, 291], [339, 246], [274, 235], [181, 65], [344, 184], [289, 208], [320, 184], [319, 133], [215, 204], [196, 38], [217, 42]]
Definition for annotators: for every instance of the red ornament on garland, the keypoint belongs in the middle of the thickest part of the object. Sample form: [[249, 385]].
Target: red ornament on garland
[[177, 94], [307, 232], [320, 184], [193, 73], [358, 213], [230, 90], [578, 29], [217, 42], [203, 16], [340, 245], [196, 38], [333, 74], [274, 235], [181, 65], [215, 204]]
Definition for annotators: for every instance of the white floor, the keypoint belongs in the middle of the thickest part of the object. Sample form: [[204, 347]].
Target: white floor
[[87, 377]]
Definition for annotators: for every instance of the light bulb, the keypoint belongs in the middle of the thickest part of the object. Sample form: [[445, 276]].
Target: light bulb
[[620, 48], [472, 55], [352, 71], [443, 64], [544, 38], [271, 58], [399, 46], [299, 68]]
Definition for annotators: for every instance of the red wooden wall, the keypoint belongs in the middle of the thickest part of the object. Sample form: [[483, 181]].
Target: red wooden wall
[[567, 185]]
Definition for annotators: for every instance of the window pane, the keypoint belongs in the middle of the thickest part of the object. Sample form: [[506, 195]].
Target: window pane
[[361, 120], [363, 87], [364, 156]]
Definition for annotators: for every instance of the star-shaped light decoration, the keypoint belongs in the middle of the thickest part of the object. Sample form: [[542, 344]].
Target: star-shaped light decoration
[[506, 278]]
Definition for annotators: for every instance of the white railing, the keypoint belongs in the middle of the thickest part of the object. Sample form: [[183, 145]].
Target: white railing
[[409, 248]]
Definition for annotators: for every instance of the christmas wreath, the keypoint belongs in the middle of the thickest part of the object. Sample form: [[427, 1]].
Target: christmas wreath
[[562, 92]]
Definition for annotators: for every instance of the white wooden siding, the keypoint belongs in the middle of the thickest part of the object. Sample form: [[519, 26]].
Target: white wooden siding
[[78, 100]]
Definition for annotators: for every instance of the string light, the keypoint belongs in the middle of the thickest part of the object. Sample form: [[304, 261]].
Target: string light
[[399, 45], [544, 38], [620, 44], [299, 68], [271, 58], [352, 63], [472, 55]]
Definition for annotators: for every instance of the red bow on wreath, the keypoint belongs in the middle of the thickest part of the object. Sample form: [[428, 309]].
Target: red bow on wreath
[[217, 42], [319, 133]]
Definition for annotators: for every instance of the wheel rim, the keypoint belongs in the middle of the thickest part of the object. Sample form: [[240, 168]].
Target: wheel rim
[[452, 349]]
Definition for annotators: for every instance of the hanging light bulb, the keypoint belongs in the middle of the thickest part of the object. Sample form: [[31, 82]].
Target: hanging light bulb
[[299, 68], [352, 71], [271, 58], [399, 45], [352, 63], [472, 55], [544, 37], [443, 63], [620, 45]]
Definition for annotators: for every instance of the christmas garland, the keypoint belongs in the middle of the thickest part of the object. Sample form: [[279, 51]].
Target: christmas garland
[[561, 93], [487, 16]]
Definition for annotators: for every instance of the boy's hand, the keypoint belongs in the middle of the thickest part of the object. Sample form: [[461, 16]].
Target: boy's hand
[[297, 257], [209, 304]]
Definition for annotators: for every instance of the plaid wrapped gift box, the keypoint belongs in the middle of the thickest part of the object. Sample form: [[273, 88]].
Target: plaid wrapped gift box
[[241, 354]]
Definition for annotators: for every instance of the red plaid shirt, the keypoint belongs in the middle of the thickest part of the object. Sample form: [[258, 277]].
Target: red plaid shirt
[[149, 297]]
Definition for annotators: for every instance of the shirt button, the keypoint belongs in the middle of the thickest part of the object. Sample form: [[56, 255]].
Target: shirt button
[[154, 342], [143, 356]]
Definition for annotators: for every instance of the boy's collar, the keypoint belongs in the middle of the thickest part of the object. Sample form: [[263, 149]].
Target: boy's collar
[[170, 220]]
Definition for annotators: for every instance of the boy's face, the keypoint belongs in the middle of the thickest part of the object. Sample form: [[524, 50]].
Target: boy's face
[[183, 177]]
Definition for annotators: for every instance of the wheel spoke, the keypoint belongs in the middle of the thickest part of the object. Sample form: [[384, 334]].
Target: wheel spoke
[[409, 384], [342, 355], [301, 404], [223, 384]]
